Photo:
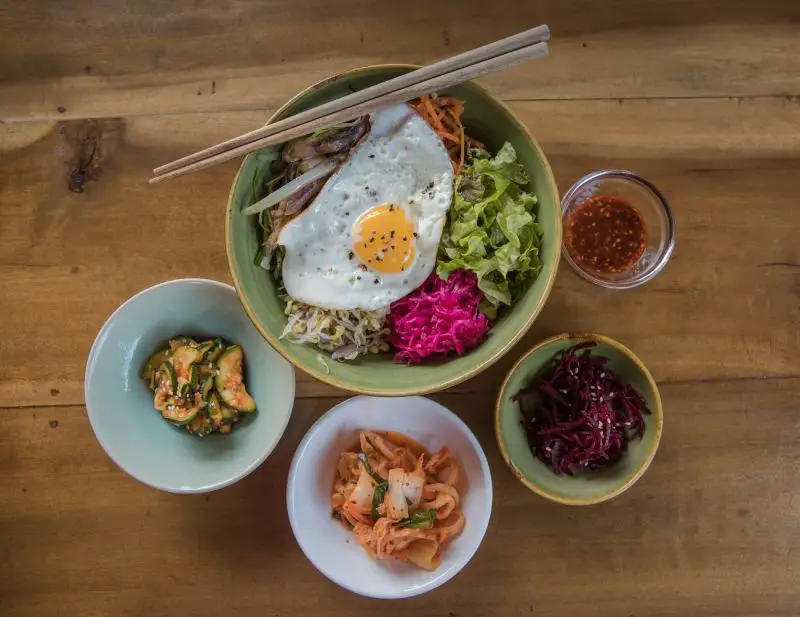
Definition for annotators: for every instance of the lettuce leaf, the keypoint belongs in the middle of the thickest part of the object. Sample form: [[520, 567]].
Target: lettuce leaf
[[492, 229]]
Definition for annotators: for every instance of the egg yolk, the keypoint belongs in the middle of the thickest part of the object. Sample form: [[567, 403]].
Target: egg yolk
[[383, 239]]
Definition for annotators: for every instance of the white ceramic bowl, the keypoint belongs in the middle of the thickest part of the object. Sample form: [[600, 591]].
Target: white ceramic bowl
[[120, 405], [329, 546]]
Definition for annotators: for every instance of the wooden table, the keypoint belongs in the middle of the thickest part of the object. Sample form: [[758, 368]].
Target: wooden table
[[703, 98]]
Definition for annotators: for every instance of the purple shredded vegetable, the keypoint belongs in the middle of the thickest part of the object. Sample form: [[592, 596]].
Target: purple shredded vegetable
[[578, 414], [437, 319]]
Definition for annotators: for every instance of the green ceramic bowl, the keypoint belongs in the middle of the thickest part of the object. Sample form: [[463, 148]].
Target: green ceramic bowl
[[488, 120], [120, 406], [590, 487]]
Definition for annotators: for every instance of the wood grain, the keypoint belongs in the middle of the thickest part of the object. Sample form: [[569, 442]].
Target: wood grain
[[427, 77], [702, 98], [439, 83], [80, 537], [89, 59], [68, 260]]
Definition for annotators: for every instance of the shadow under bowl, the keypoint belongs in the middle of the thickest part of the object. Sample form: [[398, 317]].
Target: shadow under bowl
[[120, 405], [654, 210], [330, 547], [486, 119], [587, 487]]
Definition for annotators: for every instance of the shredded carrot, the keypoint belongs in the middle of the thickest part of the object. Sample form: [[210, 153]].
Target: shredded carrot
[[443, 114], [461, 157], [446, 135], [432, 115]]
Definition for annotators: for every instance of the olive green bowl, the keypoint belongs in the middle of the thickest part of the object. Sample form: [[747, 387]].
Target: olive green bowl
[[486, 119], [589, 487]]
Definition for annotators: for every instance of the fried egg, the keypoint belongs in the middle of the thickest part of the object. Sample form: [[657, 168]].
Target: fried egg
[[372, 233]]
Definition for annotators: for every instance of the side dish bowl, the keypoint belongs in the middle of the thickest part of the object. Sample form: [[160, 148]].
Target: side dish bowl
[[586, 487], [329, 546], [120, 405], [654, 209], [486, 119]]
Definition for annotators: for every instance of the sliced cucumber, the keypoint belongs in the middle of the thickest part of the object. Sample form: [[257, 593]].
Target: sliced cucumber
[[200, 425], [181, 341], [167, 378], [215, 352], [205, 347], [166, 385], [206, 369], [183, 358], [179, 414], [184, 393], [194, 377], [229, 380], [153, 362], [153, 380], [229, 414], [214, 409], [206, 388], [199, 385]]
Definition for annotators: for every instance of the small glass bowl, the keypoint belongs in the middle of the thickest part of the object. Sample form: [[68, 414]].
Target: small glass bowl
[[654, 209]]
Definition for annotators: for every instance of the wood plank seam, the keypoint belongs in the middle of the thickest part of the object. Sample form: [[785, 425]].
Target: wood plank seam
[[343, 395], [57, 116]]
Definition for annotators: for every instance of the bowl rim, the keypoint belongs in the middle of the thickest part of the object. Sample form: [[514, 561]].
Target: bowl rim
[[92, 358], [486, 485], [669, 246], [318, 373], [658, 417]]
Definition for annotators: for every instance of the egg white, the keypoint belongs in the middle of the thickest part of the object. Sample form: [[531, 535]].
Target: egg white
[[403, 162]]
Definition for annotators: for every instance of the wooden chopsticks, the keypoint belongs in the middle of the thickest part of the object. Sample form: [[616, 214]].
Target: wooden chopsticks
[[469, 65]]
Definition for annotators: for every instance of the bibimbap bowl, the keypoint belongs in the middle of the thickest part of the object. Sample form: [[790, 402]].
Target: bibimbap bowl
[[486, 119]]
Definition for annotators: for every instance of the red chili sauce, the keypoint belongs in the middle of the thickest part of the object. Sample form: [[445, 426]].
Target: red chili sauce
[[606, 233]]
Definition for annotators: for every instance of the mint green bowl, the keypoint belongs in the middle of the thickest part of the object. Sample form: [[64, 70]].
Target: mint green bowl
[[120, 406], [588, 487], [486, 119]]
